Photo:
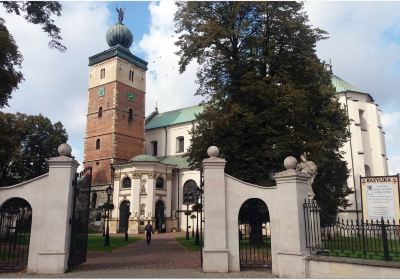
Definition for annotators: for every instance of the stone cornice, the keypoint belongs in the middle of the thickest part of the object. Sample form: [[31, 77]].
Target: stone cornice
[[120, 52], [291, 175]]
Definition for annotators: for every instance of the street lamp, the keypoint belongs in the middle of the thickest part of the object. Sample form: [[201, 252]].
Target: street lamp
[[188, 199], [109, 192], [197, 193], [193, 217], [128, 213]]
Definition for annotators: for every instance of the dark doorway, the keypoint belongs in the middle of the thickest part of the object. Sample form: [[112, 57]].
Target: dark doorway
[[160, 219], [15, 231], [123, 216], [254, 234]]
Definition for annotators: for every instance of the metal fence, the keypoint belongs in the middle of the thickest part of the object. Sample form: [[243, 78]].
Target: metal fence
[[15, 229], [255, 245], [379, 239]]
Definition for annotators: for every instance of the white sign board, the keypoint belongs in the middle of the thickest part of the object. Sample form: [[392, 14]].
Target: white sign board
[[380, 198]]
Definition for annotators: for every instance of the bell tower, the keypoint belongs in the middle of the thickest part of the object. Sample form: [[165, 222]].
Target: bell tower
[[116, 105]]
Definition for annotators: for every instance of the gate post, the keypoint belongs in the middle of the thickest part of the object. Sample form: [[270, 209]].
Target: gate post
[[215, 252], [291, 247], [54, 237]]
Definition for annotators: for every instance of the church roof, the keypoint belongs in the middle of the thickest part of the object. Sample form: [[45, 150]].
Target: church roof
[[341, 85], [173, 117], [183, 115], [179, 160], [148, 158]]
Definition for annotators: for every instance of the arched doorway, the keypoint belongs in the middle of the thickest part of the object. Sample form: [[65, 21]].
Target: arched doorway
[[254, 234], [15, 231], [160, 219], [124, 214]]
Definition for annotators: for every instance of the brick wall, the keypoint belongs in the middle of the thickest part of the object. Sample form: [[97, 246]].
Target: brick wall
[[120, 138]]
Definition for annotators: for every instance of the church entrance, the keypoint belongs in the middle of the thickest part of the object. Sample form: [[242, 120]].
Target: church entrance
[[254, 234], [124, 216], [160, 217]]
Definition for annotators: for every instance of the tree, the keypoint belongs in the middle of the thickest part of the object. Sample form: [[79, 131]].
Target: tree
[[29, 141], [10, 57], [266, 93]]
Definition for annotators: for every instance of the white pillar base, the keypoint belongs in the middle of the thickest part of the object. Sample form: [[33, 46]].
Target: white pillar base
[[215, 260]]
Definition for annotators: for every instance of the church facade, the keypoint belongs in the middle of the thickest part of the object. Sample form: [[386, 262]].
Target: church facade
[[143, 158]]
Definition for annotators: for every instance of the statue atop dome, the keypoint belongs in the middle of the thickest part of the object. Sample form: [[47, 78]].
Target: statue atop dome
[[119, 34], [120, 14]]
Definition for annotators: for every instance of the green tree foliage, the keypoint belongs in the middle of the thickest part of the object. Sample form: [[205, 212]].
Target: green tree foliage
[[10, 57], [25, 144], [267, 95]]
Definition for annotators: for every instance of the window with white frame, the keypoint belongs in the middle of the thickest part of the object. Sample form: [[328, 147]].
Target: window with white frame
[[180, 144]]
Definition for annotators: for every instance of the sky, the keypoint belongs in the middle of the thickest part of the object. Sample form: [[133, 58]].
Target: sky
[[364, 48]]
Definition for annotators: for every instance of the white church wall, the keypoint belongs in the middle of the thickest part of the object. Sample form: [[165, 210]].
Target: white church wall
[[168, 146], [367, 144], [180, 130], [157, 134]]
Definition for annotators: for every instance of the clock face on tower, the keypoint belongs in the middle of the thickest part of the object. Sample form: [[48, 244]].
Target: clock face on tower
[[131, 96], [101, 91]]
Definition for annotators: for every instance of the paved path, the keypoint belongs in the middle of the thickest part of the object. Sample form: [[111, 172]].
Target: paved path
[[163, 258], [164, 252]]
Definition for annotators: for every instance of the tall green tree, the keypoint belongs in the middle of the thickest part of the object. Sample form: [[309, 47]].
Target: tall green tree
[[10, 58], [266, 93], [29, 141]]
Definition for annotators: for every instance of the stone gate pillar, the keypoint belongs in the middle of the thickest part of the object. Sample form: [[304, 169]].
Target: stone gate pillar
[[215, 252], [292, 192], [54, 228]]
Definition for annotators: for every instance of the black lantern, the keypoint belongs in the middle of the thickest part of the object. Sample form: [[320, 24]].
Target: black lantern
[[109, 192], [197, 193], [187, 199]]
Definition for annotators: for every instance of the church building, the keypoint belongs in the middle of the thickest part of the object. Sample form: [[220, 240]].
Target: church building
[[142, 158]]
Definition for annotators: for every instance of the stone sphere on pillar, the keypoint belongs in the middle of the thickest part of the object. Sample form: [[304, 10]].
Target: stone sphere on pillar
[[64, 150], [213, 151], [290, 162]]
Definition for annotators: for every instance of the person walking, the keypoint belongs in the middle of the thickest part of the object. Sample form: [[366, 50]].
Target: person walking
[[148, 229]]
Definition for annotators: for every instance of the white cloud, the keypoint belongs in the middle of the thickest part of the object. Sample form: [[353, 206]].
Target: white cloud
[[364, 46], [164, 83], [391, 125], [56, 83]]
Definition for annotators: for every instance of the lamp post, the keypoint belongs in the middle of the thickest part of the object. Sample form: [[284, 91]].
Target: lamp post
[[197, 192], [109, 192], [193, 217], [128, 213], [187, 203]]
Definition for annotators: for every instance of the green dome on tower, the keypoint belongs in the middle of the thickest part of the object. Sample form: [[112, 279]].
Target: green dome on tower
[[119, 34]]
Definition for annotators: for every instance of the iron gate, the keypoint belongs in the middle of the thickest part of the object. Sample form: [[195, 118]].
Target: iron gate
[[254, 235], [15, 230], [80, 217]]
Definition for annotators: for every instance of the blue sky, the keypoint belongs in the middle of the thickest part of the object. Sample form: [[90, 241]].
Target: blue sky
[[364, 47]]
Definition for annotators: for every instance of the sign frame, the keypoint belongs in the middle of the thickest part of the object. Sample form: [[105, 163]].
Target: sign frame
[[393, 180]]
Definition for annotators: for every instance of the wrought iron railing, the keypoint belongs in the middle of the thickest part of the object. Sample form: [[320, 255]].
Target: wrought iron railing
[[379, 239], [15, 229]]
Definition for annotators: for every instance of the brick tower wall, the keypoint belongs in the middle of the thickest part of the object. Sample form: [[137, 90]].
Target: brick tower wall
[[121, 138]]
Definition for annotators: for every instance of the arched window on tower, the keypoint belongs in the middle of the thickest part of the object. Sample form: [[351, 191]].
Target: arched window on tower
[[97, 144], [131, 75], [130, 114], [102, 73], [100, 112]]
